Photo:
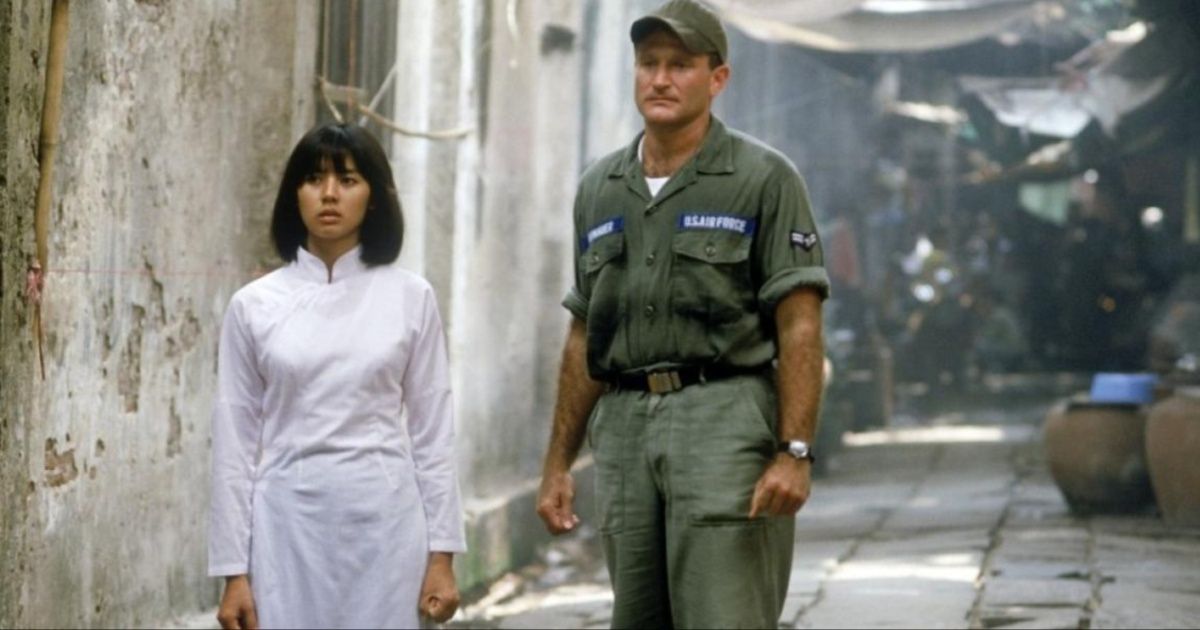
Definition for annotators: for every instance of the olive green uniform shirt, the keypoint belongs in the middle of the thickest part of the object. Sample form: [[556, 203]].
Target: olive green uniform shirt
[[691, 276]]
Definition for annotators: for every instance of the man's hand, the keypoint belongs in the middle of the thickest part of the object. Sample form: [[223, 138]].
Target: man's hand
[[556, 499], [439, 592], [237, 605], [783, 487]]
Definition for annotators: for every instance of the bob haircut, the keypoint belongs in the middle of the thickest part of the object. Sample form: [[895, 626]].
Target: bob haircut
[[382, 230]]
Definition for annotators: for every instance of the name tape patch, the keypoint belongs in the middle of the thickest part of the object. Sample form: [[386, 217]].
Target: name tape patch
[[807, 240], [727, 222], [600, 230]]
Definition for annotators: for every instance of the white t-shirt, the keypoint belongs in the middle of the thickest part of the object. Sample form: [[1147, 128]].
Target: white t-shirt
[[655, 184]]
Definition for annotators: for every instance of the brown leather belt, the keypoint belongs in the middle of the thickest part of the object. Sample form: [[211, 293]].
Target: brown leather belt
[[666, 381]]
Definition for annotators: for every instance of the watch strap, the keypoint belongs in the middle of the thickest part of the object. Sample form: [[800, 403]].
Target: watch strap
[[785, 446]]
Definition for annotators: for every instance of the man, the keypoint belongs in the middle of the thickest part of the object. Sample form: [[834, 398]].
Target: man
[[698, 266]]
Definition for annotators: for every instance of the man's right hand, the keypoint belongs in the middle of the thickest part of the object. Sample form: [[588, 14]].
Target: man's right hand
[[237, 605], [555, 504]]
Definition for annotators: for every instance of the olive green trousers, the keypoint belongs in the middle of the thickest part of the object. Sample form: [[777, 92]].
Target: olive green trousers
[[674, 477]]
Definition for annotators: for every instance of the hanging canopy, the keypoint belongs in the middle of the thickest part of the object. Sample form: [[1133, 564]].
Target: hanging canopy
[[875, 25], [1105, 82]]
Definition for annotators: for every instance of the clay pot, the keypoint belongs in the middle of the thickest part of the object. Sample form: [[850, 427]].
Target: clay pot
[[1096, 454], [1173, 451]]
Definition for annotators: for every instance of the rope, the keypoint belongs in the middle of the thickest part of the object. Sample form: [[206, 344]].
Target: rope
[[326, 87], [48, 147], [35, 281]]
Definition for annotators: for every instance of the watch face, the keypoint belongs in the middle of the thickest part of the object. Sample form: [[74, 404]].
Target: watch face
[[798, 449]]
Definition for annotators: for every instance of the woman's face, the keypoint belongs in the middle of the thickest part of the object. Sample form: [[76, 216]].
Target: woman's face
[[332, 205]]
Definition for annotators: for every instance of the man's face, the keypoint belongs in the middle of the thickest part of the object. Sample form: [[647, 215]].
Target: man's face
[[673, 86]]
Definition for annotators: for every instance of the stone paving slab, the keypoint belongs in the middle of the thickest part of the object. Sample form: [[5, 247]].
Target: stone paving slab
[[1034, 514], [943, 517], [917, 572], [925, 542], [1137, 606], [570, 606], [1037, 570], [1031, 618], [892, 603], [848, 527], [1003, 592], [1067, 545]]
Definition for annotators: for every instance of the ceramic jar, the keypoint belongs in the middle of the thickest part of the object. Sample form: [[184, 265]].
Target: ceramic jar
[[1096, 455], [1173, 452]]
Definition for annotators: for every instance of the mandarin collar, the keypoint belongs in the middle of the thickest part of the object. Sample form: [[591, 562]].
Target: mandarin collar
[[312, 268]]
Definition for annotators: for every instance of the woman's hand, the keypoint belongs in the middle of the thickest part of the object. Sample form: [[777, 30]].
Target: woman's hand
[[439, 593], [237, 605]]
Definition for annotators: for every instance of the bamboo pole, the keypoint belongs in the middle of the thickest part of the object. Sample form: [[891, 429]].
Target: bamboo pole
[[47, 148]]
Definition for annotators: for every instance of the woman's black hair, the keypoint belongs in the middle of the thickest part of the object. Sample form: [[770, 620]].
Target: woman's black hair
[[382, 231]]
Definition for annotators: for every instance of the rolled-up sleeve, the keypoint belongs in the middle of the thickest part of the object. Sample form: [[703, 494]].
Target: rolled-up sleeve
[[789, 250], [236, 434], [429, 408], [576, 303]]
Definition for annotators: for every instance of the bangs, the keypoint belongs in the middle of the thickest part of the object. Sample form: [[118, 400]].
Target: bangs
[[329, 146]]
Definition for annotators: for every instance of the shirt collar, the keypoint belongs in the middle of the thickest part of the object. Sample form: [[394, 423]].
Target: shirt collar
[[715, 155], [312, 268]]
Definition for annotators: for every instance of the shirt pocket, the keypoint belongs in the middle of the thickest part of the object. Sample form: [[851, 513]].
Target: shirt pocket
[[604, 251], [711, 275], [603, 280]]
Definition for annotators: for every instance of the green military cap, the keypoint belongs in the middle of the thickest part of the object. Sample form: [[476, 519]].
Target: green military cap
[[698, 27]]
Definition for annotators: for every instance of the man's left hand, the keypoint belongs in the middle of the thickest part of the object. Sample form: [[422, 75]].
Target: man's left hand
[[783, 487]]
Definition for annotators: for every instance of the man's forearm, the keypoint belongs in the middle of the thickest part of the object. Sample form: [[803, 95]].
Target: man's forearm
[[801, 364], [577, 394]]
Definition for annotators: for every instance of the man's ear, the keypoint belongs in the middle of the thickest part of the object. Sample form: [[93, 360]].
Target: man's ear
[[720, 78]]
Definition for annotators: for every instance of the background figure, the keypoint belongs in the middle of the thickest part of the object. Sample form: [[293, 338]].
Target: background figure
[[938, 325], [328, 508], [698, 266], [999, 344]]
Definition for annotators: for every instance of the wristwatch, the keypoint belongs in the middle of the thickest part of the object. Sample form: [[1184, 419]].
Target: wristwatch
[[798, 449]]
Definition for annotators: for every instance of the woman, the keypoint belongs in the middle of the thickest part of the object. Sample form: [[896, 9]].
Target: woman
[[330, 508]]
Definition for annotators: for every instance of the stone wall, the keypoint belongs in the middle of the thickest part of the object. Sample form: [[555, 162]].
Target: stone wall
[[176, 120]]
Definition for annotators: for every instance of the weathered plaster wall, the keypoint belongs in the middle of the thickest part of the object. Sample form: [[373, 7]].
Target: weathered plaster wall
[[20, 84], [515, 267], [521, 265], [610, 116], [176, 120]]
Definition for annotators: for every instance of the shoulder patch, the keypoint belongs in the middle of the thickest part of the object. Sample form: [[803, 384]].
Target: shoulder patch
[[807, 240], [726, 222], [612, 225]]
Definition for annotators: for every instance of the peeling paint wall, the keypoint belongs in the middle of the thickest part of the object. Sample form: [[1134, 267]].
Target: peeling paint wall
[[176, 120], [515, 276]]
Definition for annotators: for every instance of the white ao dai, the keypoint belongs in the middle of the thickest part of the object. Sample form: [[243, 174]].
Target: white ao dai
[[323, 491]]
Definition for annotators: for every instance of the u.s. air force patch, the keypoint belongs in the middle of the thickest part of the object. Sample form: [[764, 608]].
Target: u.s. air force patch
[[807, 240], [726, 222]]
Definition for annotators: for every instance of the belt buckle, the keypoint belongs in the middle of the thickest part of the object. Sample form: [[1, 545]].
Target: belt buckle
[[664, 382]]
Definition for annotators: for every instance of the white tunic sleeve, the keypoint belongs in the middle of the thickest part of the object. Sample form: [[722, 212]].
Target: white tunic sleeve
[[236, 431], [431, 428]]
